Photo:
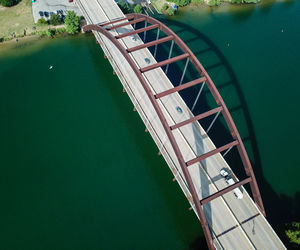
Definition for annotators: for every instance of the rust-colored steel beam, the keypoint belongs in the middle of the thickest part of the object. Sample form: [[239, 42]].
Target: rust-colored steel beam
[[197, 118], [116, 21], [127, 23], [219, 100], [213, 152], [151, 27], [165, 125], [165, 62], [225, 190], [180, 87], [149, 44]]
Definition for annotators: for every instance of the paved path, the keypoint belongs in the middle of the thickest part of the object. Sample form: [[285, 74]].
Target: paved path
[[235, 224]]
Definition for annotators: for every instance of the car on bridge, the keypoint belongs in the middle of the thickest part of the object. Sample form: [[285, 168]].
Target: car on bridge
[[237, 192]]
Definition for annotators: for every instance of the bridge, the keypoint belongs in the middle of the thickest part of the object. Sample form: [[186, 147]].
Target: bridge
[[229, 217]]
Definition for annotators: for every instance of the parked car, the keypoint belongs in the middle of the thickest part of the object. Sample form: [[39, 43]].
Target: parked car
[[46, 14], [237, 192], [41, 13]]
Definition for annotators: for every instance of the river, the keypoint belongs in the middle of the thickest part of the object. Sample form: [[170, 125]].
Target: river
[[79, 172]]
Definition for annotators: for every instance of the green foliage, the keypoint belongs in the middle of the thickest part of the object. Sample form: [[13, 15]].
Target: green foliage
[[293, 233], [42, 33], [1, 39], [197, 1], [243, 1], [42, 21], [180, 2], [170, 11], [137, 9], [214, 2], [125, 7], [61, 30], [165, 7], [55, 19], [72, 22], [9, 3], [50, 32]]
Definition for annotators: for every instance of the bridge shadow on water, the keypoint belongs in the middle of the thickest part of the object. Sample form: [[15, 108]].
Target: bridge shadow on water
[[279, 208]]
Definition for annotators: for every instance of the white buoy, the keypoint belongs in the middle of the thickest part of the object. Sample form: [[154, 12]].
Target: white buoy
[[281, 30], [51, 67]]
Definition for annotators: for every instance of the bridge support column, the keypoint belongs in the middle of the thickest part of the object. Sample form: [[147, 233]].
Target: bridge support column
[[145, 32], [185, 67], [227, 151], [213, 121], [170, 54], [199, 93], [157, 36]]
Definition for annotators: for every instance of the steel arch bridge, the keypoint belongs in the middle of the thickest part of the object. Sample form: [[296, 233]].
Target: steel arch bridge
[[133, 19]]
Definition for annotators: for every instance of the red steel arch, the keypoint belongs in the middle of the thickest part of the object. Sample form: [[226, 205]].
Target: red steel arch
[[104, 29]]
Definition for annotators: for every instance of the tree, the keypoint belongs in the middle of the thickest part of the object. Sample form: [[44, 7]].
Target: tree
[[72, 22], [293, 233], [55, 19], [137, 9], [124, 6], [180, 3], [170, 11], [8, 3], [50, 32], [164, 7], [41, 21]]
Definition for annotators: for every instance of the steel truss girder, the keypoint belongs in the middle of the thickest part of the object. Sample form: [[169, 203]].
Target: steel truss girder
[[180, 87], [241, 149]]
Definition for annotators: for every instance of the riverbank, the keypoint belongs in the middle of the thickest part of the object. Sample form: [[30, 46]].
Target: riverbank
[[215, 4], [17, 22]]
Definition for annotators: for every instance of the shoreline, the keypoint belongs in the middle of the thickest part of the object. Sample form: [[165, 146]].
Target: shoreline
[[224, 6]]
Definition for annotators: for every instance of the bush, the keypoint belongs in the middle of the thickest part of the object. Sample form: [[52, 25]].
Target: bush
[[125, 7], [170, 11], [137, 9], [165, 7], [197, 1], [214, 2], [72, 22], [293, 233], [180, 2], [50, 32], [1, 39], [42, 33], [55, 19], [9, 3], [42, 21], [61, 30]]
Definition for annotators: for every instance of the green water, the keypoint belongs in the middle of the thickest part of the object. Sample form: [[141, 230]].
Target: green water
[[252, 54], [78, 170]]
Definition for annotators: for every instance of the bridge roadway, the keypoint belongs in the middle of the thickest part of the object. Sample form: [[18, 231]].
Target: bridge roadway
[[234, 223]]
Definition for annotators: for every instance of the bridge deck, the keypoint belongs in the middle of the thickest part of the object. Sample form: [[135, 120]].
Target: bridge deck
[[235, 224]]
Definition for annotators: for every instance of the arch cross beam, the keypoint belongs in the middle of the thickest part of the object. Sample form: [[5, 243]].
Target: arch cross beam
[[101, 28]]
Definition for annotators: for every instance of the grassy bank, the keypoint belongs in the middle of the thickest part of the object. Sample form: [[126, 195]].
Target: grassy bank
[[19, 20]]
